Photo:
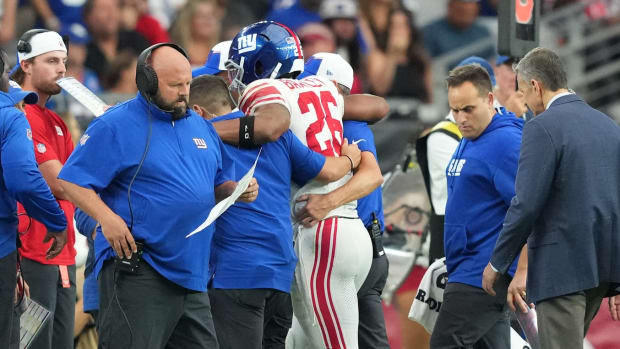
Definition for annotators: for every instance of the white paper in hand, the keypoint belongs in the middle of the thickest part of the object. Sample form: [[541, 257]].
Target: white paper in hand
[[223, 205], [83, 95]]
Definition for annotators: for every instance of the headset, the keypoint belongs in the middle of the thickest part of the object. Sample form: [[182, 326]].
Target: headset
[[23, 45], [146, 77], [1, 62]]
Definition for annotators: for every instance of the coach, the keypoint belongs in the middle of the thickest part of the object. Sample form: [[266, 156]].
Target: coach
[[567, 205], [159, 169]]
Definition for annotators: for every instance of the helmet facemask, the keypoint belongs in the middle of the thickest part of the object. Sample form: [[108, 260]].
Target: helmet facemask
[[235, 76]]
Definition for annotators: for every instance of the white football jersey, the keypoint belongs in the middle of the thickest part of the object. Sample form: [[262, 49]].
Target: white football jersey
[[316, 110]]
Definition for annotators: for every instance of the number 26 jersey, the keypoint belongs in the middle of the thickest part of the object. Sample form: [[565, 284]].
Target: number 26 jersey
[[316, 110]]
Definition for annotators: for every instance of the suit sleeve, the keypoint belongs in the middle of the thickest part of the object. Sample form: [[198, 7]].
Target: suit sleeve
[[534, 179], [22, 177]]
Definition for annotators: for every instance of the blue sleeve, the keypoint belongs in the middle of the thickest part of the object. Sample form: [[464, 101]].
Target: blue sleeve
[[97, 159], [355, 130], [505, 174], [84, 223], [305, 163], [226, 166], [22, 177]]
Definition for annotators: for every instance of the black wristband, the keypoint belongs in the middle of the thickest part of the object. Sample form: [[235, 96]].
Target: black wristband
[[246, 132], [351, 161]]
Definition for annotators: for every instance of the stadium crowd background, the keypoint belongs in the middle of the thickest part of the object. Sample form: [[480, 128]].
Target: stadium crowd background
[[401, 50]]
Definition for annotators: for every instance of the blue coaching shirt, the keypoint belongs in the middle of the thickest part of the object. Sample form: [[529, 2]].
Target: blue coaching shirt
[[253, 243], [20, 178], [172, 194], [373, 202]]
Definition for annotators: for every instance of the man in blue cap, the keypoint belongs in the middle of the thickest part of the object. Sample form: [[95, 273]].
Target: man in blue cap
[[215, 61], [20, 180]]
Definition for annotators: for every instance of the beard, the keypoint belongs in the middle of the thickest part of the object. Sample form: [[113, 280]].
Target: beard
[[50, 89], [177, 111]]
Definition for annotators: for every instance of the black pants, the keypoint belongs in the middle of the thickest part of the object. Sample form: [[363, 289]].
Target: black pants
[[8, 281], [46, 289], [371, 332], [470, 318], [251, 318], [146, 310]]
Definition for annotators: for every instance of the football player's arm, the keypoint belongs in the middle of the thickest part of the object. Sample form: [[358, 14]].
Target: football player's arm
[[366, 179], [365, 107], [270, 122]]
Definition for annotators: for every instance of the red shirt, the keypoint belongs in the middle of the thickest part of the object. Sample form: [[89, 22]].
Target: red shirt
[[52, 141]]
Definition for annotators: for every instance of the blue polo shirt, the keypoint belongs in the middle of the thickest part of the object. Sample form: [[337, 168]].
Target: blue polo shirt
[[171, 195], [253, 243], [373, 202]]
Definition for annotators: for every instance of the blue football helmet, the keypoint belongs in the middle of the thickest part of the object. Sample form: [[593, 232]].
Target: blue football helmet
[[263, 50]]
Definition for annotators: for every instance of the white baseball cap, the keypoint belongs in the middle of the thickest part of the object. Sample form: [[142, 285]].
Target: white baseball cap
[[330, 66], [40, 43]]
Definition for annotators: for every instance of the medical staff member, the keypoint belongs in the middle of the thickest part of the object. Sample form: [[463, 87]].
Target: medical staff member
[[253, 259], [158, 169], [20, 180]]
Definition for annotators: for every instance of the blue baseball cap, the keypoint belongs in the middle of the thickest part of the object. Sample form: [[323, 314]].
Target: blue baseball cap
[[502, 59], [481, 62], [76, 32], [215, 61], [17, 94]]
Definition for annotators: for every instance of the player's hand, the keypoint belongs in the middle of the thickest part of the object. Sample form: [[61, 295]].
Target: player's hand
[[489, 276], [118, 235], [59, 241], [516, 296], [316, 208], [251, 193], [352, 151], [614, 307]]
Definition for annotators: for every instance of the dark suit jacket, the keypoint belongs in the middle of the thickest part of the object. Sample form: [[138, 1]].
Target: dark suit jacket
[[567, 202]]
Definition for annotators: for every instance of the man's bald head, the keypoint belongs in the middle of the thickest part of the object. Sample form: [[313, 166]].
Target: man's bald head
[[174, 76]]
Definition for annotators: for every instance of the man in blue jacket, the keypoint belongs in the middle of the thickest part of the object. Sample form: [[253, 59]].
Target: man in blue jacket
[[253, 263], [480, 180], [20, 180]]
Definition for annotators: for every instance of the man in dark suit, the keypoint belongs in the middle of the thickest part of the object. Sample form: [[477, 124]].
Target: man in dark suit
[[567, 205]]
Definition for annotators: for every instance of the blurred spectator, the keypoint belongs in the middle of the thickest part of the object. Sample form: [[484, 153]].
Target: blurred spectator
[[7, 20], [119, 80], [165, 11], [342, 17], [238, 16], [52, 14], [103, 20], [506, 88], [78, 39], [400, 54], [295, 16], [135, 16], [377, 13], [315, 38], [197, 29], [456, 30], [488, 8]]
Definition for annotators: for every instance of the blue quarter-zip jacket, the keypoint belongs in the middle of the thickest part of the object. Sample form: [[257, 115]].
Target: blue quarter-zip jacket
[[481, 183], [21, 179]]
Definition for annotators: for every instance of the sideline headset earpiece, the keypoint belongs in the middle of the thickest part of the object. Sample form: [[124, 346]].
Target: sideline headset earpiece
[[146, 77], [23, 45]]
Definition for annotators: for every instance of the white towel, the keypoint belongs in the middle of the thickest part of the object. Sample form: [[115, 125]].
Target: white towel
[[426, 305]]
